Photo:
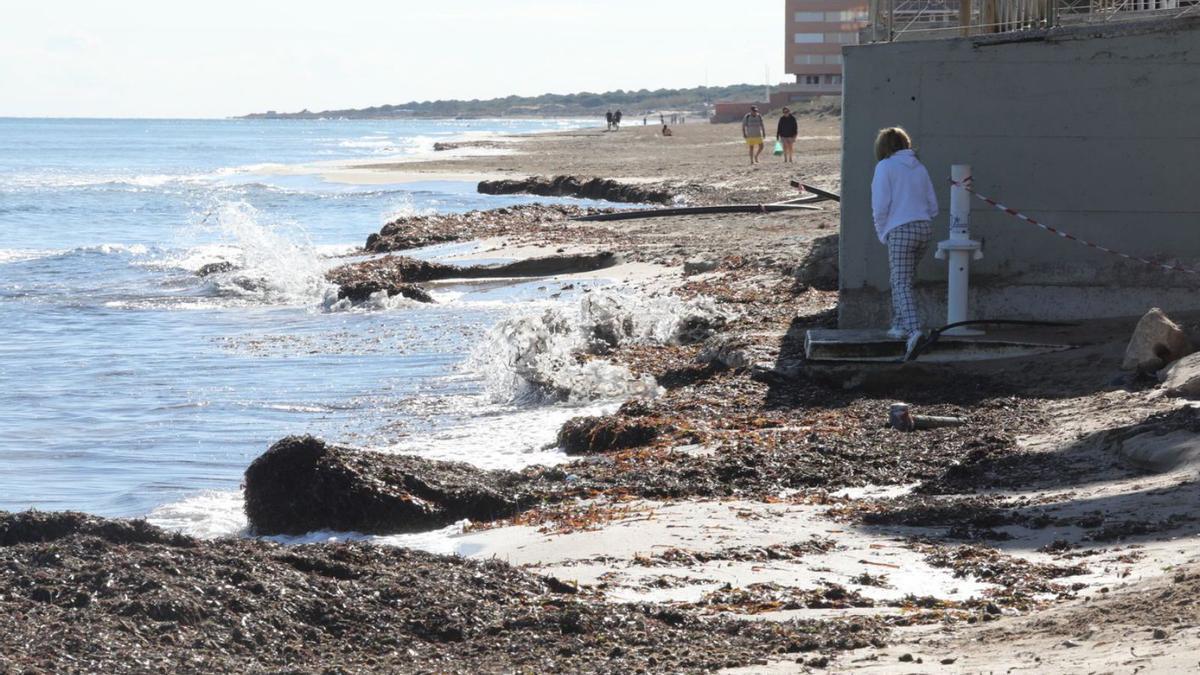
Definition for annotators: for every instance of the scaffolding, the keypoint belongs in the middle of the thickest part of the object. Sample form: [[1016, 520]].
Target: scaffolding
[[893, 20]]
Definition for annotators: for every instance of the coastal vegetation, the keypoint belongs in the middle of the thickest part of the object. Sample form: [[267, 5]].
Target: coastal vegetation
[[547, 105]]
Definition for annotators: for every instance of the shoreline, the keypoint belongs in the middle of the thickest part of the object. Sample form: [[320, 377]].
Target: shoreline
[[767, 493]]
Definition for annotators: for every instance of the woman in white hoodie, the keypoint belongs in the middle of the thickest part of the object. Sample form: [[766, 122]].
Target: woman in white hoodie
[[903, 203]]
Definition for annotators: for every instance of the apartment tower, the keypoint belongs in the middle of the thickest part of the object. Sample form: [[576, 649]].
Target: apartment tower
[[816, 32]]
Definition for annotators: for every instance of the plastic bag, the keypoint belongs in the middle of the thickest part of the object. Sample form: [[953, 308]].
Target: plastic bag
[[778, 148]]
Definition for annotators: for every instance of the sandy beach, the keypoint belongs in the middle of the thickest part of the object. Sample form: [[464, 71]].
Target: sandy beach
[[752, 515], [1123, 530]]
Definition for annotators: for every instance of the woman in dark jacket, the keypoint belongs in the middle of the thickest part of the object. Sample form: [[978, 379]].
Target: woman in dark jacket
[[786, 132]]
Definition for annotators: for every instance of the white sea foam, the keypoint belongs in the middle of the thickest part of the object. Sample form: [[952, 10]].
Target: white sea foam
[[213, 514], [57, 180], [378, 301], [206, 515], [403, 207], [504, 439], [535, 357], [11, 255], [275, 264], [114, 249]]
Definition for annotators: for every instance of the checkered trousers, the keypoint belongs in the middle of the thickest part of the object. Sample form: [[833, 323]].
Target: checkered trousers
[[906, 245]]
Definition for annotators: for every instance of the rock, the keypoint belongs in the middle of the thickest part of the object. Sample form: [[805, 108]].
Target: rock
[[1157, 341], [215, 268], [819, 269], [573, 186], [302, 484], [1161, 453], [1160, 634], [588, 435], [699, 266], [1182, 378]]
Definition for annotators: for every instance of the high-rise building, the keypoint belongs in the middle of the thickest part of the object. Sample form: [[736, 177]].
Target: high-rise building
[[816, 32]]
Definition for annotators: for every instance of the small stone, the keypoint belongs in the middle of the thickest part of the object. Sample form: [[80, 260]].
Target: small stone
[[1160, 634], [906, 658], [699, 266]]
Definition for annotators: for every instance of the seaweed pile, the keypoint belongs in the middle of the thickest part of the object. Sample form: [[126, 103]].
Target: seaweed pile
[[420, 230], [83, 594]]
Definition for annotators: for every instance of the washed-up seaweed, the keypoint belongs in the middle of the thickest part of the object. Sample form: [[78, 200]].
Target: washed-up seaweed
[[87, 595]]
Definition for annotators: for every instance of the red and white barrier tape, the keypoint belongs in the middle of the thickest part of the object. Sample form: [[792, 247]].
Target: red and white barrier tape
[[966, 185]]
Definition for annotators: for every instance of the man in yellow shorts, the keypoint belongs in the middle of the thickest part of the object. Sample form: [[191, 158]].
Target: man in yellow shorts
[[754, 129]]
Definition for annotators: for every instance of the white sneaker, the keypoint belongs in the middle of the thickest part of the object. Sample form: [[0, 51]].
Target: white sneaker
[[915, 339], [897, 333]]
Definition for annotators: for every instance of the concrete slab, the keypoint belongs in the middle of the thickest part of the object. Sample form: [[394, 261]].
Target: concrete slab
[[874, 345]]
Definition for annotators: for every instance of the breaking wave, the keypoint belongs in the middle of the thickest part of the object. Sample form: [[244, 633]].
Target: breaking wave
[[269, 263], [556, 354]]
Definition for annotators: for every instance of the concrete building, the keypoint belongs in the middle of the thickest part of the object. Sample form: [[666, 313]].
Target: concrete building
[[733, 111], [816, 31], [1091, 129]]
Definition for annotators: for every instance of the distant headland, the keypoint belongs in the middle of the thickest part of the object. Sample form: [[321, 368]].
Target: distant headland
[[547, 105]]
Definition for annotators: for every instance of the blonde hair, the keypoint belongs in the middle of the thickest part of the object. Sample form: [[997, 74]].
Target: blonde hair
[[890, 141]]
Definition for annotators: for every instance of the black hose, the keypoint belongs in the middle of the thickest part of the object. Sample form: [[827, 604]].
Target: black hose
[[923, 345], [817, 191], [701, 210]]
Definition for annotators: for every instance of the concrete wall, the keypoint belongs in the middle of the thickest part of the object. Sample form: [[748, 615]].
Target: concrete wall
[[1095, 131]]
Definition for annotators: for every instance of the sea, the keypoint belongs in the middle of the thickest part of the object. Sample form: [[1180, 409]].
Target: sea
[[130, 386]]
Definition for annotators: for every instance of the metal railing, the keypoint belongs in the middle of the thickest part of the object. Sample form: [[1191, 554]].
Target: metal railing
[[893, 20]]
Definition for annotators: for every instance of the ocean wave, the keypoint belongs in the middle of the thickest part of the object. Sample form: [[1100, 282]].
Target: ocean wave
[[47, 180], [536, 357], [113, 249], [12, 255], [270, 263]]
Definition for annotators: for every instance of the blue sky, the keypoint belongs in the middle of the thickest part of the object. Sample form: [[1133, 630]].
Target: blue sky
[[216, 58]]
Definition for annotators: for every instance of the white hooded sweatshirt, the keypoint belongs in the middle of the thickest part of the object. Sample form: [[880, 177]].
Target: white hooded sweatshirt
[[901, 192]]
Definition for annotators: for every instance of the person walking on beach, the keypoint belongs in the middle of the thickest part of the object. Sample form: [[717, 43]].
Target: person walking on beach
[[608, 117], [902, 203], [786, 132], [617, 120], [754, 130]]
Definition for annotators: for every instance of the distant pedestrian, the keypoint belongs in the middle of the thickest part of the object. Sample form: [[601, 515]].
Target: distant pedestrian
[[786, 132], [903, 203], [617, 120], [754, 130], [645, 120], [608, 117], [661, 120]]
